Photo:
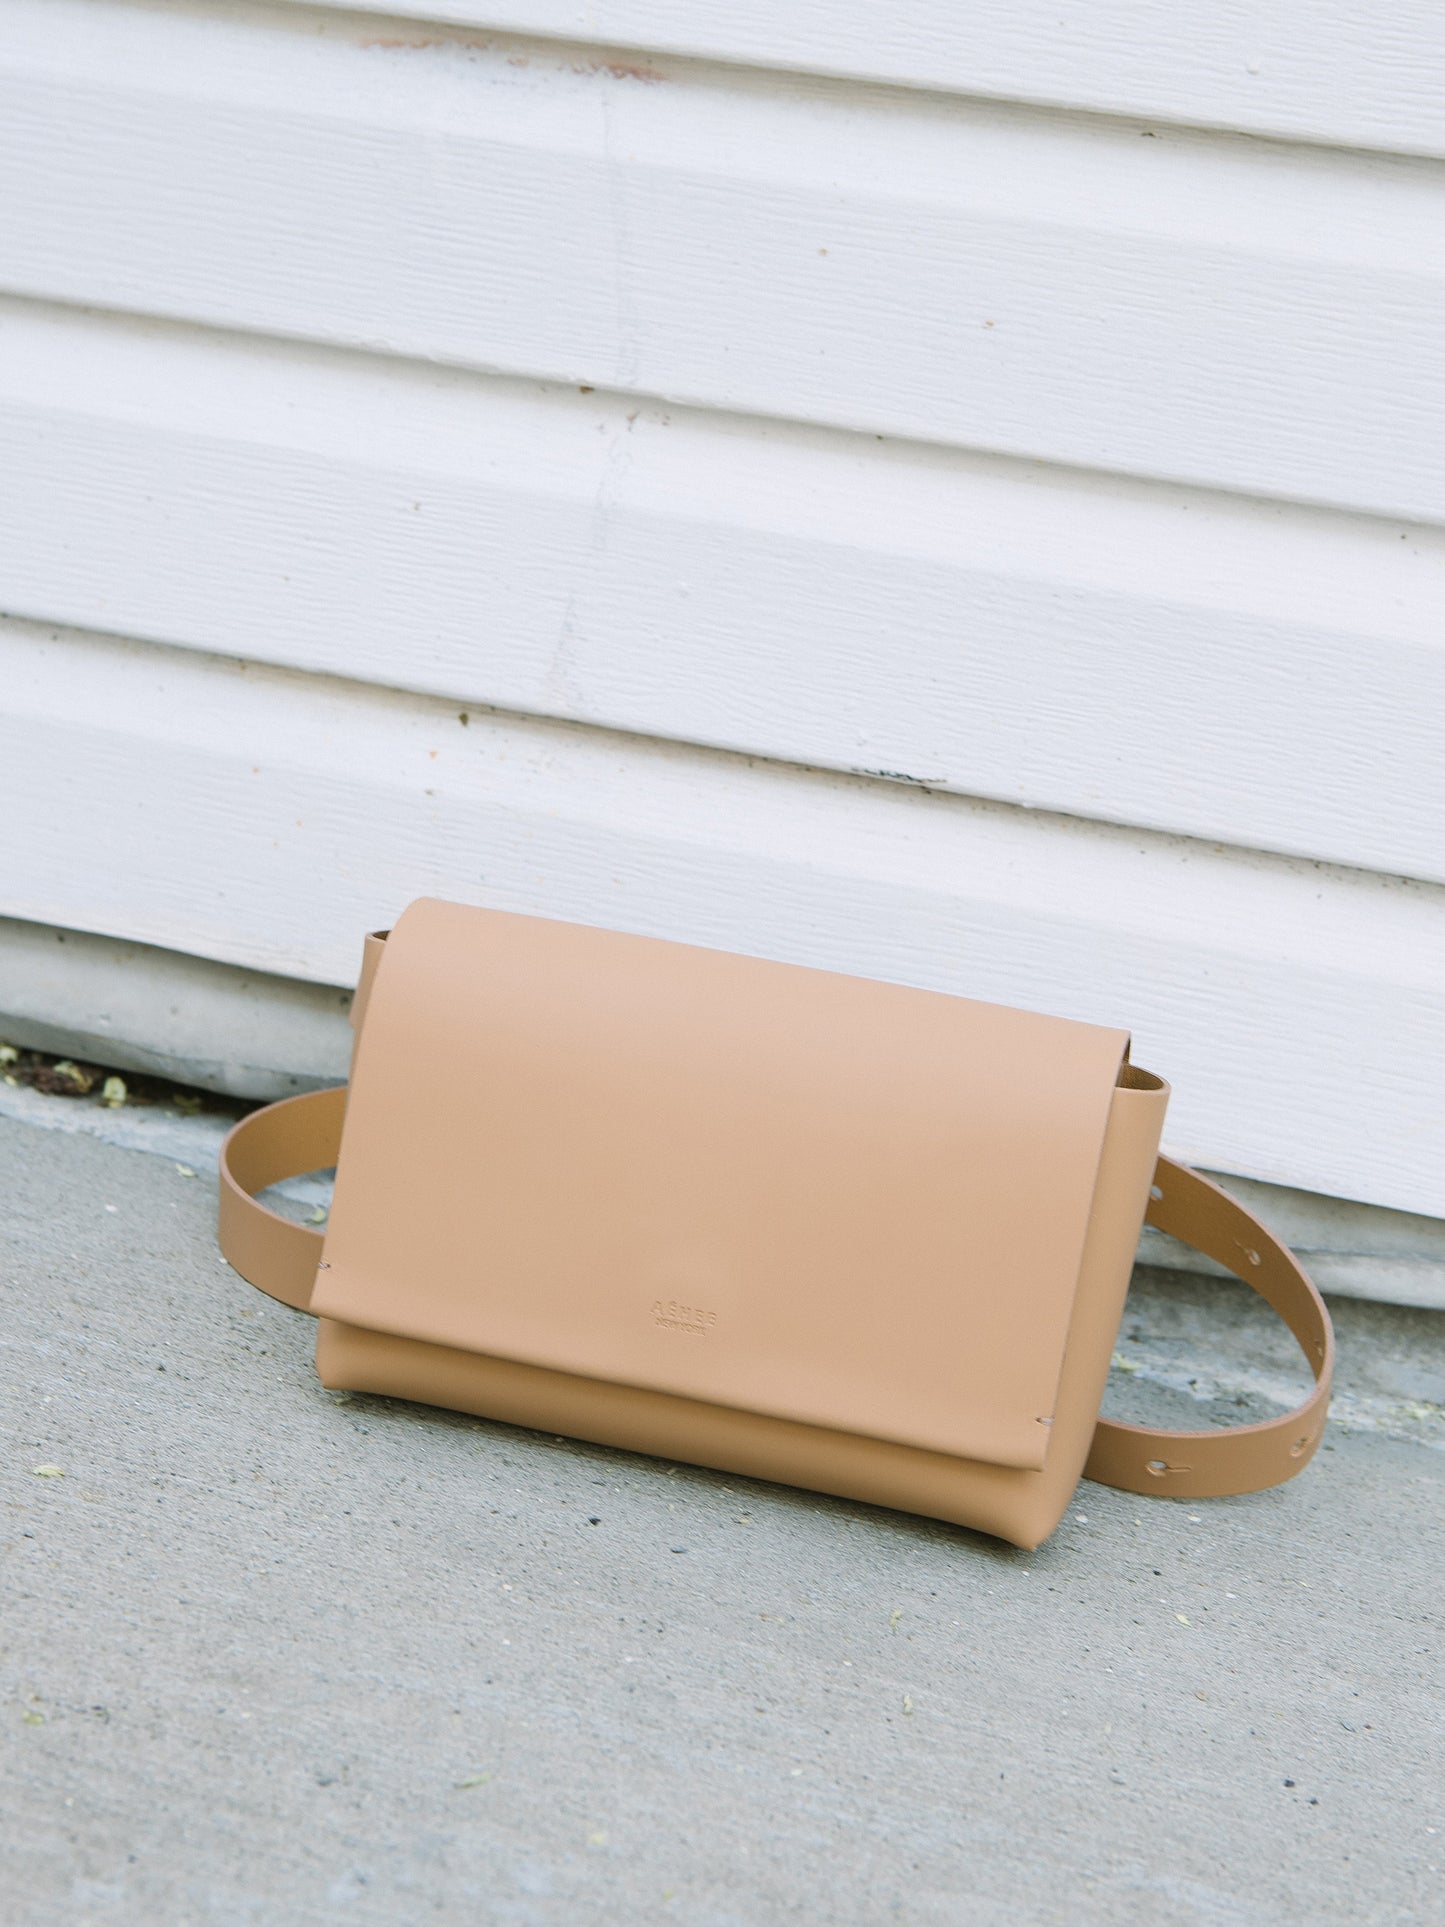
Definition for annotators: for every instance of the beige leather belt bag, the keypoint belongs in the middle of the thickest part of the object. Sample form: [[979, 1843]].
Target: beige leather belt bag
[[791, 1224]]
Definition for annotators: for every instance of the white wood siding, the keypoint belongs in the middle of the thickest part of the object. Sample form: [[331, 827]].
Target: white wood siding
[[1176, 659], [1338, 71], [687, 423], [1204, 308]]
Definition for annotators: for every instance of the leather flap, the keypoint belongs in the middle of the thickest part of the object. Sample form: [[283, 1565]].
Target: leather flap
[[796, 1192]]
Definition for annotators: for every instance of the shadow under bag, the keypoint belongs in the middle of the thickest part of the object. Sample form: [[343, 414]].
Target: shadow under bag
[[792, 1224]]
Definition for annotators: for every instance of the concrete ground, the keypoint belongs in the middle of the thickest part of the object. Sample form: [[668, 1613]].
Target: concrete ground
[[273, 1655]]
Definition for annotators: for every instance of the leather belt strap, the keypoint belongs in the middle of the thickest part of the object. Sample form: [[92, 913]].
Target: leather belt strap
[[283, 1140], [1239, 1458], [304, 1134]]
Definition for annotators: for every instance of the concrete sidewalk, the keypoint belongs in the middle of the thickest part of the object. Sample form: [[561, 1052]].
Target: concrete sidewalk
[[273, 1655]]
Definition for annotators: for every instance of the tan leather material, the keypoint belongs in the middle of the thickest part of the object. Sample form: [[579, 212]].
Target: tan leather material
[[295, 1135], [1011, 1503], [372, 950], [706, 1174], [371, 954], [1244, 1458], [1020, 1500]]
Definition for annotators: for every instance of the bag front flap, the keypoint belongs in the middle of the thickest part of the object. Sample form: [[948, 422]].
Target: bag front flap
[[800, 1193]]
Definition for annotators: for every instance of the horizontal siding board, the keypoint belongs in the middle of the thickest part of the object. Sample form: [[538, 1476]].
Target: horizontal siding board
[[1215, 311], [1320, 70], [267, 818], [1193, 663]]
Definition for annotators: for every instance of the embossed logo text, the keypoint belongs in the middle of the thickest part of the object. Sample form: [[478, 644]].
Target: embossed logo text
[[672, 1316]]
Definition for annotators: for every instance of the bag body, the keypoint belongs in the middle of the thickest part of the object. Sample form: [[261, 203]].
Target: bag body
[[866, 1239]]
